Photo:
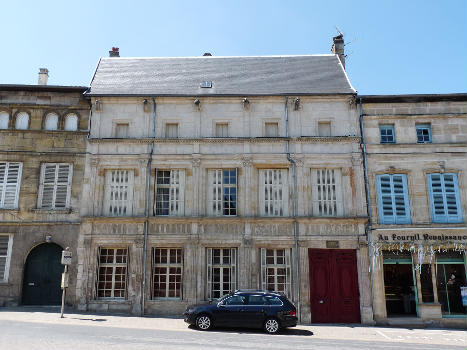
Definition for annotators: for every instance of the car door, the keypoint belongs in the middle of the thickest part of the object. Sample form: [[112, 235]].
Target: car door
[[229, 312], [255, 312]]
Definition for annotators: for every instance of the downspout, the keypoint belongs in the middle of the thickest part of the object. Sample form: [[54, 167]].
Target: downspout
[[294, 208], [146, 213], [368, 206]]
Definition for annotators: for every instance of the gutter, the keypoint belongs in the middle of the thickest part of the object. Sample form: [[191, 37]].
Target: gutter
[[147, 199], [294, 208], [368, 206]]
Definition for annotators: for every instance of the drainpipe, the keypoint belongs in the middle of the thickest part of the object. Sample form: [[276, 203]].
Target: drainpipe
[[294, 208], [368, 205], [146, 207]]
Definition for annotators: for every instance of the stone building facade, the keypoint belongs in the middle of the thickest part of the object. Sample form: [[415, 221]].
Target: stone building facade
[[43, 133], [416, 157], [199, 182]]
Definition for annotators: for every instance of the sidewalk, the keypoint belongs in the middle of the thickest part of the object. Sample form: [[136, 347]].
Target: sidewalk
[[51, 315]]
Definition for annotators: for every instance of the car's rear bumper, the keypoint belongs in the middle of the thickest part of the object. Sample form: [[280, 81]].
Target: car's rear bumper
[[289, 321]]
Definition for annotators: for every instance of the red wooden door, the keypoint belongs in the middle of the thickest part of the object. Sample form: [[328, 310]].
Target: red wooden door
[[334, 296]]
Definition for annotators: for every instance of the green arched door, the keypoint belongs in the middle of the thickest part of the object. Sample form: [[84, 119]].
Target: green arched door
[[42, 275]]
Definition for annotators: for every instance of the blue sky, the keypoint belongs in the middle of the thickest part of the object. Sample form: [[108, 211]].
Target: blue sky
[[393, 47]]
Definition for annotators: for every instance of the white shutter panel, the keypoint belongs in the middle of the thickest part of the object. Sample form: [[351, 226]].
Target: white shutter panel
[[339, 192], [288, 273], [215, 192], [263, 269], [47, 185], [315, 192], [107, 193], [5, 248], [181, 189], [233, 269], [209, 272], [285, 193], [129, 195], [262, 190], [63, 186], [10, 180]]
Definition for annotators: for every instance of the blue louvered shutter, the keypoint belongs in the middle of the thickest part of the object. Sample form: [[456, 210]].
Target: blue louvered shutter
[[393, 199], [444, 198]]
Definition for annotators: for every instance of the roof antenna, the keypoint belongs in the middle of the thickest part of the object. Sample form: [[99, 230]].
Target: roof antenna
[[340, 33]]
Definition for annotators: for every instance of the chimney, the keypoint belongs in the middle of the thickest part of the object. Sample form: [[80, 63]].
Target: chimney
[[207, 54], [43, 76], [338, 47], [114, 52]]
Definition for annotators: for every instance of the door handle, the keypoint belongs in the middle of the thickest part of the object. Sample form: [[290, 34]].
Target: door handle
[[31, 284], [321, 301]]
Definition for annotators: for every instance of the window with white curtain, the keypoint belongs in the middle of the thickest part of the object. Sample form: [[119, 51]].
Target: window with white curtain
[[51, 122], [275, 270], [71, 122], [222, 192], [22, 121], [273, 192], [118, 196], [169, 196], [221, 271], [55, 186], [326, 192], [4, 120]]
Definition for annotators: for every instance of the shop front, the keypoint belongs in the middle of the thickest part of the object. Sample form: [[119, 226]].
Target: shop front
[[419, 277]]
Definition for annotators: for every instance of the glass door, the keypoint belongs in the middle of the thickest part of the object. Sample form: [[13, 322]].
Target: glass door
[[450, 277]]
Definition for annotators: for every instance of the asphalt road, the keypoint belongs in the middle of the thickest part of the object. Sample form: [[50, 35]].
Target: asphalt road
[[51, 335]]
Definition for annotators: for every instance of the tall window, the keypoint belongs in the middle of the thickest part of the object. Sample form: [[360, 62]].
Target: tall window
[[423, 133], [324, 128], [221, 271], [167, 272], [271, 129], [4, 120], [71, 122], [274, 192], [55, 186], [444, 198], [275, 270], [222, 195], [112, 273], [22, 121], [387, 134], [10, 181], [6, 242], [118, 197], [393, 199], [326, 192], [170, 187], [171, 130], [222, 130], [51, 122]]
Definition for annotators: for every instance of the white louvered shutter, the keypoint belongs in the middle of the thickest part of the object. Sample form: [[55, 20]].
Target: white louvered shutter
[[264, 285], [177, 192], [10, 180], [288, 273], [209, 272], [215, 192], [5, 255], [274, 192], [118, 198], [55, 186]]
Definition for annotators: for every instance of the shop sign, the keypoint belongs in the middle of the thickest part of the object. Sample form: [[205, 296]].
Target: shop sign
[[397, 237]]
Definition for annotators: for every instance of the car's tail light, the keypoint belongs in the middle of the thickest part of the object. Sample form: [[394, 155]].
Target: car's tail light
[[292, 313]]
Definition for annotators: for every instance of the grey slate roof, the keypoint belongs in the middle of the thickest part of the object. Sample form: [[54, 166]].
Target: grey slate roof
[[230, 76]]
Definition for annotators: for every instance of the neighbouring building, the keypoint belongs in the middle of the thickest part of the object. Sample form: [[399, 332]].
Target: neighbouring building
[[416, 160], [210, 174], [43, 133]]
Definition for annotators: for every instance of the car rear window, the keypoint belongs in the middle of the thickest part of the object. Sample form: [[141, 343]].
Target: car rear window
[[257, 300], [274, 301]]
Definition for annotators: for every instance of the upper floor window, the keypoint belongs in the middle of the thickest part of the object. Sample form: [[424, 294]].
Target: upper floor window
[[55, 186], [170, 187], [4, 120], [171, 130], [6, 242], [324, 128], [51, 122], [423, 133], [10, 181], [271, 129], [71, 122], [22, 121], [222, 195], [222, 130], [121, 130], [444, 198], [387, 134], [273, 192], [118, 192], [393, 199], [326, 192]]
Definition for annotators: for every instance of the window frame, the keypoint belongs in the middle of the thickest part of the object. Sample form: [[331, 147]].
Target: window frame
[[272, 203], [426, 126], [217, 187], [387, 127], [394, 219], [320, 205], [114, 265], [6, 272], [119, 126], [446, 217], [110, 204], [268, 124], [47, 118], [325, 123], [166, 131], [4, 184], [56, 184], [4, 114], [287, 266], [28, 120], [223, 125], [168, 265], [176, 206], [210, 266], [69, 116]]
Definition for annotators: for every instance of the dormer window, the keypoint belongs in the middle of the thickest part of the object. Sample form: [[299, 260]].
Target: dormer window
[[206, 84]]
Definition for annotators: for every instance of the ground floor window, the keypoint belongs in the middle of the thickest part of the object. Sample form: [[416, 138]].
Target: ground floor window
[[6, 241], [112, 273], [221, 271], [450, 277], [167, 272], [399, 283], [275, 270]]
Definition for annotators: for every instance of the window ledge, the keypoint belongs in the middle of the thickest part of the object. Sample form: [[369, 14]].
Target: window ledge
[[51, 211], [12, 210], [111, 301]]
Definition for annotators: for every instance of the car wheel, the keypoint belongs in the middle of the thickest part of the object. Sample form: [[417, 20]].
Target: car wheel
[[271, 326], [203, 322]]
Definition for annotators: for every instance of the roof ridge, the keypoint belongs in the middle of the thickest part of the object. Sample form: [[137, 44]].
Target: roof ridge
[[215, 57]]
